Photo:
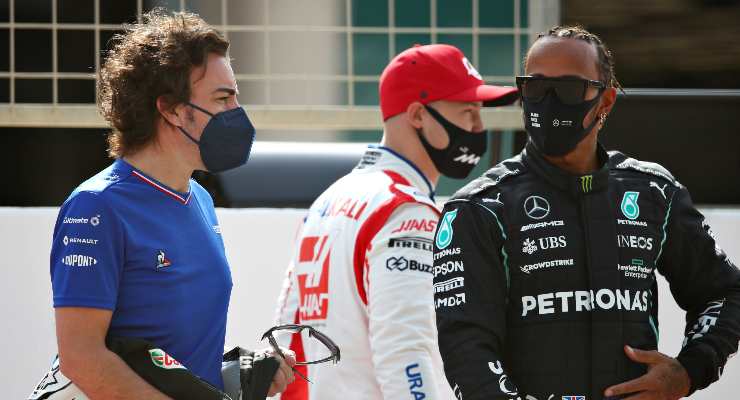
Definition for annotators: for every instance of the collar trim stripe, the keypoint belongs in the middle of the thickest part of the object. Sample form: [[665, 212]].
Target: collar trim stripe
[[163, 189], [410, 164]]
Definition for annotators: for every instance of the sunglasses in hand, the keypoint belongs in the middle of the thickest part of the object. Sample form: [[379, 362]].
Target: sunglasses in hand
[[327, 350]]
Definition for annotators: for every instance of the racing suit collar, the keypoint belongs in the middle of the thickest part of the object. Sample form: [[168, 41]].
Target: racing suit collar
[[384, 158], [576, 185]]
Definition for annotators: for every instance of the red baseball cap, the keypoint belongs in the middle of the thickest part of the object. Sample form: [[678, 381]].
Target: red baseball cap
[[435, 72]]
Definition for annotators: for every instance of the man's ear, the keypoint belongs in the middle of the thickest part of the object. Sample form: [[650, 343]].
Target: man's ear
[[413, 114], [607, 101], [172, 114]]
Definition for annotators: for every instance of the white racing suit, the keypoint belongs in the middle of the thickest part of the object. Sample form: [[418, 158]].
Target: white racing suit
[[362, 274]]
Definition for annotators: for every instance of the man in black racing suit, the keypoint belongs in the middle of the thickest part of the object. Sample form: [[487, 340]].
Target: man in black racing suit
[[544, 279]]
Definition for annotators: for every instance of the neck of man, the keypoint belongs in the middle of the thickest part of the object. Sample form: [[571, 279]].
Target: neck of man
[[580, 161], [405, 141], [168, 167]]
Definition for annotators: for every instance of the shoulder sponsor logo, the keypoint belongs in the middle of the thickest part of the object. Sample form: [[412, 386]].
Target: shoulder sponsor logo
[[529, 246], [496, 200], [629, 206], [583, 300], [450, 301], [79, 260], [419, 225], [448, 285], [631, 222], [444, 234], [411, 242], [416, 383], [504, 384], [547, 224], [446, 253], [370, 157], [448, 267], [635, 242], [163, 360], [345, 207], [403, 264], [635, 269], [536, 207], [94, 221], [660, 189], [67, 240], [546, 265]]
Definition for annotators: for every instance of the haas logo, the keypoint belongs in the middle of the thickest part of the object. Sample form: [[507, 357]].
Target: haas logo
[[313, 281]]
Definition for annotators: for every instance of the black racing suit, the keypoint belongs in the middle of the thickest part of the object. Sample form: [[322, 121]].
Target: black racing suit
[[541, 278]]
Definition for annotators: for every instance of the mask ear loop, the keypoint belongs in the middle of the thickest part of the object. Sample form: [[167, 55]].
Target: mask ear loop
[[186, 132]]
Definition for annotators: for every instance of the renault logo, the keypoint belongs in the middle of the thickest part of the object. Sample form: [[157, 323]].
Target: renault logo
[[536, 207]]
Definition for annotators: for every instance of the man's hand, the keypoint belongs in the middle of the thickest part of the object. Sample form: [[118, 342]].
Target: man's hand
[[284, 375], [666, 378]]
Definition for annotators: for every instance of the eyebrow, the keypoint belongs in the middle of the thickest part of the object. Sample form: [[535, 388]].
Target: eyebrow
[[227, 90]]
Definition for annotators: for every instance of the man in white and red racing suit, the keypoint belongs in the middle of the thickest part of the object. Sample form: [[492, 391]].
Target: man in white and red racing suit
[[362, 266]]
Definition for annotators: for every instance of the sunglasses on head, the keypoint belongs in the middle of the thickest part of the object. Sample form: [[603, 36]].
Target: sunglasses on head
[[570, 90]]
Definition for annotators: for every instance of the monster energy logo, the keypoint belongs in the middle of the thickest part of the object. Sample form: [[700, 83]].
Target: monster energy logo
[[587, 182]]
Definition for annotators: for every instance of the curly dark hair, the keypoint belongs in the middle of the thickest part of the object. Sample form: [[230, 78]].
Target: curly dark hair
[[606, 59], [151, 59]]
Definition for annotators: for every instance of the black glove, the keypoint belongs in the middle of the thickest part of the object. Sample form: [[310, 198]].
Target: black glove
[[256, 371]]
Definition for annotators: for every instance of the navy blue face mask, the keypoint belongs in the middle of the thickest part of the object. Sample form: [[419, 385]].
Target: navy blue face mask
[[226, 140]]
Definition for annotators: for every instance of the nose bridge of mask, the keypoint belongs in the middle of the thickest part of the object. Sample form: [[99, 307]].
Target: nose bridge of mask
[[446, 124]]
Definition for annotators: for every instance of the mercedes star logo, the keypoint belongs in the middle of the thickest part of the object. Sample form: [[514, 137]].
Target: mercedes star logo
[[536, 207]]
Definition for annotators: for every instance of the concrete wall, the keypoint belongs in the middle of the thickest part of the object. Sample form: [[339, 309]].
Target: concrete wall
[[259, 244]]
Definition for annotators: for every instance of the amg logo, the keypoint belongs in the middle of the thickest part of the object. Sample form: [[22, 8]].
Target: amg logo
[[411, 243], [582, 300], [448, 268], [450, 301], [542, 225], [449, 284], [79, 260]]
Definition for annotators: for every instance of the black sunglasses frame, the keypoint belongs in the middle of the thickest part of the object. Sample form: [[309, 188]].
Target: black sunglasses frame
[[312, 332], [521, 83]]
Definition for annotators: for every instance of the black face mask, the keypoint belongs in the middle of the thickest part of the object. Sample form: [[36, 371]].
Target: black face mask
[[226, 140], [556, 128], [462, 153]]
